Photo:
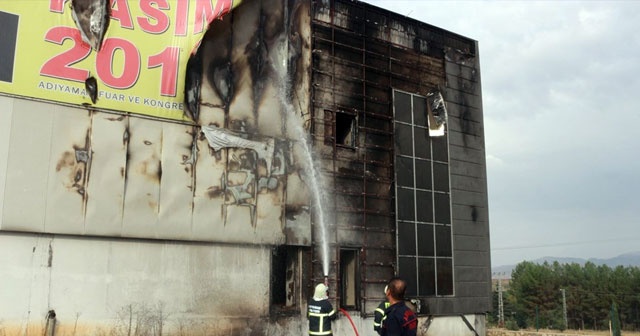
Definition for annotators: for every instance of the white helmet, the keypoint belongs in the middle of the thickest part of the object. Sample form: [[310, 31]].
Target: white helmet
[[320, 292]]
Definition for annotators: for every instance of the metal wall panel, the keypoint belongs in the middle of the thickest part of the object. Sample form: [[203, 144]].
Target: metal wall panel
[[468, 182], [209, 193], [6, 115], [106, 187], [176, 183], [463, 111], [471, 274], [68, 174], [142, 142], [28, 167], [142, 179], [471, 228]]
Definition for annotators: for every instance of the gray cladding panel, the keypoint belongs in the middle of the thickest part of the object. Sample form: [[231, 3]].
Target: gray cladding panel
[[475, 304], [458, 138], [472, 289], [467, 155], [466, 126], [453, 306], [471, 243], [469, 212], [461, 182], [469, 169], [462, 98], [465, 112], [466, 274], [471, 228], [467, 72], [471, 258], [462, 84]]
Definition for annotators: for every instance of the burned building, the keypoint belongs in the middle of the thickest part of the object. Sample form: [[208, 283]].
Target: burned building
[[298, 139]]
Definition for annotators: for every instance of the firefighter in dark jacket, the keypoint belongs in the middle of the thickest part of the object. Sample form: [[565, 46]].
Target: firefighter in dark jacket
[[378, 314], [320, 312], [399, 320]]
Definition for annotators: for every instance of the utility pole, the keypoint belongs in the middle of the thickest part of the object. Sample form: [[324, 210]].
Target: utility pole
[[500, 303], [564, 308]]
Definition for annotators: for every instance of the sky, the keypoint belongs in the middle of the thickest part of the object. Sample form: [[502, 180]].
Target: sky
[[561, 102]]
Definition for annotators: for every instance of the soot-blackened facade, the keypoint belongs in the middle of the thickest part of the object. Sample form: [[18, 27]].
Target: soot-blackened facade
[[410, 198]]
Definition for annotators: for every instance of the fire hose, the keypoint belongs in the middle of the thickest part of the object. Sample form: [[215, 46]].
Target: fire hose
[[350, 320]]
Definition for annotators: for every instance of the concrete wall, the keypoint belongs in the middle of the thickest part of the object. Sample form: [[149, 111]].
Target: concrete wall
[[462, 325], [96, 284]]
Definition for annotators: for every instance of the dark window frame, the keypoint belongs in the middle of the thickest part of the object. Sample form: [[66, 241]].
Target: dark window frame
[[439, 189], [286, 260], [341, 128], [350, 269]]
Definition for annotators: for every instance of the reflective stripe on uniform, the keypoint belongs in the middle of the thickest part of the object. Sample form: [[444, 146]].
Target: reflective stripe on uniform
[[379, 315], [321, 323]]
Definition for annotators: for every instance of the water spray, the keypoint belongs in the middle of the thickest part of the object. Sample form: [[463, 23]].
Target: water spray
[[314, 176]]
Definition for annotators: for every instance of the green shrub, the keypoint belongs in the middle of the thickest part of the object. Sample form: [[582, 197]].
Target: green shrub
[[511, 325]]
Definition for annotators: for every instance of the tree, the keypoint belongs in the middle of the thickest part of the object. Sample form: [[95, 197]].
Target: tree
[[590, 292]]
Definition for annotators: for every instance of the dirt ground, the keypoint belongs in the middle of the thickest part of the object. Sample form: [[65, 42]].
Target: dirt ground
[[558, 333]]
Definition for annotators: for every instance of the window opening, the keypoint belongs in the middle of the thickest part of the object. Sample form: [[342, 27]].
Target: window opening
[[349, 275], [437, 113], [345, 129], [284, 279]]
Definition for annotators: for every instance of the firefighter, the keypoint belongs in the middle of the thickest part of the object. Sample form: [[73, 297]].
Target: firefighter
[[320, 312], [399, 320], [378, 314]]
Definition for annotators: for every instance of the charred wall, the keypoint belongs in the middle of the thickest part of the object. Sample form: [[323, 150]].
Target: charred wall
[[115, 174], [122, 198], [360, 55]]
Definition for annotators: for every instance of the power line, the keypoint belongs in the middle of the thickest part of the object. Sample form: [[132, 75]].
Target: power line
[[522, 247]]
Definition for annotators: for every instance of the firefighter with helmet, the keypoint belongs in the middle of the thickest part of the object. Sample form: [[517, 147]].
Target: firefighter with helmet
[[320, 312]]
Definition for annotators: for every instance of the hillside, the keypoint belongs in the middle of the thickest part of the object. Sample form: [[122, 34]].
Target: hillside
[[627, 259]]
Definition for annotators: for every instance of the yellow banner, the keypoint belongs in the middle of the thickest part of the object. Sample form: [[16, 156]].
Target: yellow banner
[[139, 68]]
